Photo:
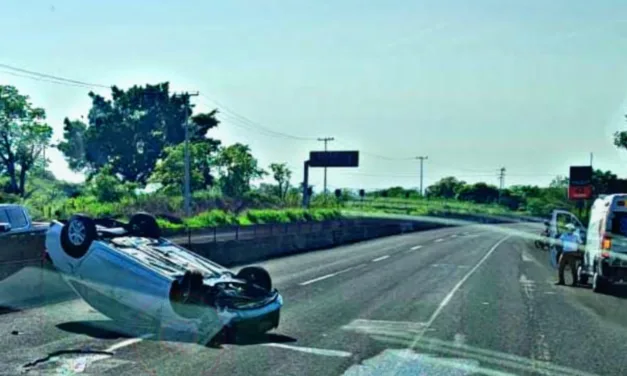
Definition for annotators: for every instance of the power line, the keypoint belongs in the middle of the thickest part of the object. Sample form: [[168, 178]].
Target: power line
[[53, 77], [251, 123]]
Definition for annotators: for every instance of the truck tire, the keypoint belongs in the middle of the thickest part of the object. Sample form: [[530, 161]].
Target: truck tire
[[257, 276], [599, 284], [144, 225], [582, 278]]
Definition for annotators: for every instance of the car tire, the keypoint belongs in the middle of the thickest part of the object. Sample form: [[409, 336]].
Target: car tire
[[144, 225], [582, 278], [257, 276], [599, 284], [77, 235]]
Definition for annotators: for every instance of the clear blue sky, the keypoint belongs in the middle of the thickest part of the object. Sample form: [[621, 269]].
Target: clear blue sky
[[530, 85]]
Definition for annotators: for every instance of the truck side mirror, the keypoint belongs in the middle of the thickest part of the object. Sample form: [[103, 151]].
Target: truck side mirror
[[5, 227]]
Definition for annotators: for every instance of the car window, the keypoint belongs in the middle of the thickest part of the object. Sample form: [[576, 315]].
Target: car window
[[3, 216], [17, 218]]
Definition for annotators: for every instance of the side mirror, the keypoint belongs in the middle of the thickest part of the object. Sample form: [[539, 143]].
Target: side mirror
[[5, 227]]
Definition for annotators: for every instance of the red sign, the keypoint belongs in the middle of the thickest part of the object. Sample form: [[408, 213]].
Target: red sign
[[583, 192]]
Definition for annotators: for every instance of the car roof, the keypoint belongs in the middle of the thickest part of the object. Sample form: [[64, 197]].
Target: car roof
[[9, 206]]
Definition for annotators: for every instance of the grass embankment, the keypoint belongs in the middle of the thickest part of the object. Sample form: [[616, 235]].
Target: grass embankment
[[427, 207], [215, 218]]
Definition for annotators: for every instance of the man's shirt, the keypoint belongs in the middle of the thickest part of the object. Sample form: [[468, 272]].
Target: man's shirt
[[570, 242]]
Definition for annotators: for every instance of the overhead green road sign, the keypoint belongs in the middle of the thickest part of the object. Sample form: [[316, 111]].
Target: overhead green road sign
[[334, 159]]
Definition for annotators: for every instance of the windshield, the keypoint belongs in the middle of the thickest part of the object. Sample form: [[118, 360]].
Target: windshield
[[313, 187]]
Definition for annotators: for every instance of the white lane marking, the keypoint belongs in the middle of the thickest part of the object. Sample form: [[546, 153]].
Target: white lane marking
[[325, 277], [525, 257], [381, 258], [311, 350], [415, 247], [459, 284], [459, 340], [454, 236], [527, 285], [439, 240], [128, 342]]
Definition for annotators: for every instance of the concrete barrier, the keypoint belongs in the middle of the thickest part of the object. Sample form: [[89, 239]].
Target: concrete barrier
[[231, 253]]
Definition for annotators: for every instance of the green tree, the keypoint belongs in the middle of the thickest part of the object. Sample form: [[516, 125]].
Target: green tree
[[238, 168], [282, 175], [131, 131], [170, 171], [107, 187], [23, 137], [447, 187], [479, 192]]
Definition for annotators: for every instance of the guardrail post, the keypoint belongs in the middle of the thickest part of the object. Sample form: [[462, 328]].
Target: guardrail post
[[215, 233], [236, 232]]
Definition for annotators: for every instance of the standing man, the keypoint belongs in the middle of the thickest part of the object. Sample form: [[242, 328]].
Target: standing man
[[569, 241]]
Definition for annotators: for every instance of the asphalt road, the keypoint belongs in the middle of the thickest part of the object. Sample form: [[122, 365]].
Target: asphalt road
[[456, 301]]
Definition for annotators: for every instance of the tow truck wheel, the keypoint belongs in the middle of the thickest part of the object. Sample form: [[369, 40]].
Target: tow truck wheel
[[582, 278], [77, 235], [257, 276], [144, 225], [598, 283]]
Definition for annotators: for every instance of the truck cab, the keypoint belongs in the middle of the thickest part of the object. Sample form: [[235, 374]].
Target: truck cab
[[605, 257], [13, 219], [21, 240]]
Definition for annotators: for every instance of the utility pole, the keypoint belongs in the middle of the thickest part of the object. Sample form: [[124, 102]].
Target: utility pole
[[422, 159], [591, 156], [501, 181], [187, 193], [325, 140]]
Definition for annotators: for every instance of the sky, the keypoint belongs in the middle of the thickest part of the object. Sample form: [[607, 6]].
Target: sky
[[533, 86]]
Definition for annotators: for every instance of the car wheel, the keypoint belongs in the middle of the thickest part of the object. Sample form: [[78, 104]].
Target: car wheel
[[77, 235], [598, 283], [257, 276], [582, 278], [144, 225]]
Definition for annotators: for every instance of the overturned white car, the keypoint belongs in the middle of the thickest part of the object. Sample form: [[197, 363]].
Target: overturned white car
[[129, 272]]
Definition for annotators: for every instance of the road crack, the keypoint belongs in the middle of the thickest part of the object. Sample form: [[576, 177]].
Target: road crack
[[59, 353]]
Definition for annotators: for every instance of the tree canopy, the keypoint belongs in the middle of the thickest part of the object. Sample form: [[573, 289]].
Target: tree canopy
[[131, 131], [170, 171], [447, 187], [238, 168], [282, 175], [24, 135]]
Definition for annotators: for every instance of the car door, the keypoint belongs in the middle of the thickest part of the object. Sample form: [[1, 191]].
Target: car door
[[11, 248], [557, 225]]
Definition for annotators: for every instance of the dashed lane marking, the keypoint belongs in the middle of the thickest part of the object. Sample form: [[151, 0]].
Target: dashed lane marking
[[381, 258], [311, 350], [326, 276]]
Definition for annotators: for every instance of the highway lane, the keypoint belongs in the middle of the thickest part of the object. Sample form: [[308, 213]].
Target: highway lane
[[465, 297]]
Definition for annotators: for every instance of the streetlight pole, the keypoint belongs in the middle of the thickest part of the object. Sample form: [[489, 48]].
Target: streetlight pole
[[422, 159]]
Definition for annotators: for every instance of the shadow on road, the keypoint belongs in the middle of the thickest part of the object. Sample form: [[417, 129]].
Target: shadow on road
[[109, 329], [101, 329]]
